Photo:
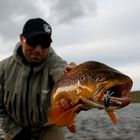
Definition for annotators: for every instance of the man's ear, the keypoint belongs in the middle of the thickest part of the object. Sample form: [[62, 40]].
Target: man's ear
[[21, 37]]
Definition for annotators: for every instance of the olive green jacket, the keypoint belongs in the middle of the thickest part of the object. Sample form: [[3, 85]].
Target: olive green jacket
[[25, 90]]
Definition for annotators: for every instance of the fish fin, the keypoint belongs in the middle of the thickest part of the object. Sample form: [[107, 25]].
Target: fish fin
[[71, 125], [112, 116], [61, 117], [72, 128], [54, 113]]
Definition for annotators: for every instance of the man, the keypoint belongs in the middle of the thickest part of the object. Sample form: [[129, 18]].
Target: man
[[26, 80]]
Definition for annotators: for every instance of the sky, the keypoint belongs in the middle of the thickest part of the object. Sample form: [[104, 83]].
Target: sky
[[101, 30]]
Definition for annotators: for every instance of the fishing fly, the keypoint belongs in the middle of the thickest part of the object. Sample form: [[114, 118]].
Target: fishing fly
[[107, 98]]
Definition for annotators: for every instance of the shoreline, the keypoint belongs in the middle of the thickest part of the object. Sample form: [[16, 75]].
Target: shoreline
[[135, 96]]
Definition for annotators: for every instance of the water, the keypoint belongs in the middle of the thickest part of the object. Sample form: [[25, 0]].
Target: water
[[96, 125]]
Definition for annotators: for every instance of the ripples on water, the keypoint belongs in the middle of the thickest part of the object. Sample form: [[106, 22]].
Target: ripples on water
[[95, 125]]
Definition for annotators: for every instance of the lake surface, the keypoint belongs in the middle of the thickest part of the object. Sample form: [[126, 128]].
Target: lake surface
[[96, 125]]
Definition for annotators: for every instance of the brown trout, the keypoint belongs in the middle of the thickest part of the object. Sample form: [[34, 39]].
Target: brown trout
[[89, 85]]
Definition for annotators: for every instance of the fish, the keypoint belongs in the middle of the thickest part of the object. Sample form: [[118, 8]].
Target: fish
[[89, 85]]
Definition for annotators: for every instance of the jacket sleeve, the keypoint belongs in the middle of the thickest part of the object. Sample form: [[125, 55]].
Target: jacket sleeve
[[56, 64], [8, 125], [2, 110]]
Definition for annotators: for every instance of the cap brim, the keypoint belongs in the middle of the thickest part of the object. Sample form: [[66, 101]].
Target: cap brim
[[33, 34]]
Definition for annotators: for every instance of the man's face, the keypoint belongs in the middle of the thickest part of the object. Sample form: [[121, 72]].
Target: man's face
[[35, 49]]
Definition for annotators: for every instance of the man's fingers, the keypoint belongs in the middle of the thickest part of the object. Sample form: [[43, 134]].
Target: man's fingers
[[69, 66]]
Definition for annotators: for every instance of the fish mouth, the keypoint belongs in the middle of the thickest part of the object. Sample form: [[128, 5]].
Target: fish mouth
[[115, 96], [111, 95]]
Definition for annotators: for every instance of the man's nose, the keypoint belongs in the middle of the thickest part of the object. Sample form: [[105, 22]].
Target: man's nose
[[38, 48]]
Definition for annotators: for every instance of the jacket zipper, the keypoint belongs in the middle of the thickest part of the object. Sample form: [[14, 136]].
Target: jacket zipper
[[27, 95]]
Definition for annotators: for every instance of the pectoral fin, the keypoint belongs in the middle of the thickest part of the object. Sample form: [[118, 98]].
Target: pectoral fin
[[61, 117], [54, 113]]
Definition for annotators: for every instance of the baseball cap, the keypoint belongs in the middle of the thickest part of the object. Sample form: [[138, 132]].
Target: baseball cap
[[36, 26]]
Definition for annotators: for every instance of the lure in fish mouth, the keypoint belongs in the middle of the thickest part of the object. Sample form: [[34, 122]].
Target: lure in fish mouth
[[114, 97], [89, 85]]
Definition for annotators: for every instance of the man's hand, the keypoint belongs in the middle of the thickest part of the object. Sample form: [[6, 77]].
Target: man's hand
[[69, 66], [66, 103]]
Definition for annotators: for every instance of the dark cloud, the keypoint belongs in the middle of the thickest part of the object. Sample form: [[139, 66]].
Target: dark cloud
[[107, 31], [65, 11], [13, 13]]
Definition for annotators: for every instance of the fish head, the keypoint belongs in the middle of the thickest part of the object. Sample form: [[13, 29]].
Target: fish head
[[110, 87]]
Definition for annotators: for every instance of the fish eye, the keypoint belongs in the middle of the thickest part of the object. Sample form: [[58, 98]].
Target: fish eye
[[99, 78]]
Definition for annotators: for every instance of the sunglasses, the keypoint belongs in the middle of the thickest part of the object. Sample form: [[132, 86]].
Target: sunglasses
[[43, 42]]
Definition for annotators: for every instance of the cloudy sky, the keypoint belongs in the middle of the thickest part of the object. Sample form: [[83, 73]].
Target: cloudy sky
[[103, 30]]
